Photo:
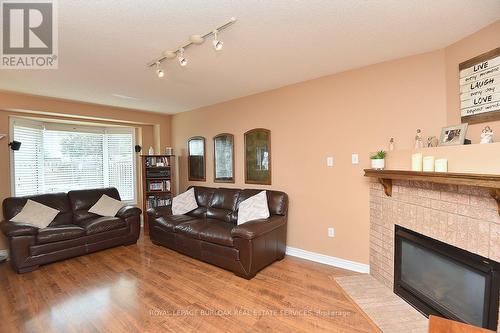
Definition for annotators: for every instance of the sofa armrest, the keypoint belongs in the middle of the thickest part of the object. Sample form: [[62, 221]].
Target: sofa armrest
[[256, 228], [128, 211], [11, 229], [159, 211]]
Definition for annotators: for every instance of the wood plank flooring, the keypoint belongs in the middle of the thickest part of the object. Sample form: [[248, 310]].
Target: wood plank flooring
[[148, 288]]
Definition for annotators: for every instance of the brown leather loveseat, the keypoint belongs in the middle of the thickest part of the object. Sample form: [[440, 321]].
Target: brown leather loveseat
[[210, 233], [73, 232]]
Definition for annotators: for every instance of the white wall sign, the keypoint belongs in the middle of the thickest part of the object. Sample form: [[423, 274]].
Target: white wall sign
[[480, 87]]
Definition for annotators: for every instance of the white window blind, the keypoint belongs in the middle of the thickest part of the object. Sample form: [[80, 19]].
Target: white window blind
[[60, 158]]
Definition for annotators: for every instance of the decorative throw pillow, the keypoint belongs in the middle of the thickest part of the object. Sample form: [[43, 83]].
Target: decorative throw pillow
[[253, 208], [36, 214], [107, 206], [184, 203]]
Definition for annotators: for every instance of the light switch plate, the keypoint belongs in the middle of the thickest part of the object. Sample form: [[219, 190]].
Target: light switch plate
[[355, 159], [329, 161]]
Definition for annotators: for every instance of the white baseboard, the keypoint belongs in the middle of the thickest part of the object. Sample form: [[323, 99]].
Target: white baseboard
[[328, 260]]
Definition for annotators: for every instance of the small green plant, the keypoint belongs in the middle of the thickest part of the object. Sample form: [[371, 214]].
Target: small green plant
[[380, 155]]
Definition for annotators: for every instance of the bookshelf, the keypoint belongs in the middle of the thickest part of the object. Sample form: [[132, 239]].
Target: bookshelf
[[157, 182]]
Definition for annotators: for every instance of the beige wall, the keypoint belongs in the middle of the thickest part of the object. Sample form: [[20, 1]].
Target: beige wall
[[350, 112], [152, 129]]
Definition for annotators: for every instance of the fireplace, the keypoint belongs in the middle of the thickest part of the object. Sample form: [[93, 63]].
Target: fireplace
[[437, 278]]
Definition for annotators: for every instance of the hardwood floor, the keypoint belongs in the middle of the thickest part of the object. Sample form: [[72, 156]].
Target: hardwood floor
[[147, 288]]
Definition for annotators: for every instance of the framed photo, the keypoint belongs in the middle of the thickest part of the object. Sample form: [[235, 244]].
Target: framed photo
[[453, 135], [258, 156]]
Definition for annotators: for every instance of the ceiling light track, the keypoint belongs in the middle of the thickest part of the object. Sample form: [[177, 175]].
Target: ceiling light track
[[193, 40]]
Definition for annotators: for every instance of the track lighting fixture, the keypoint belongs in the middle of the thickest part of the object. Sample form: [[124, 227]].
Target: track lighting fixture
[[193, 40], [182, 61], [216, 42], [159, 71]]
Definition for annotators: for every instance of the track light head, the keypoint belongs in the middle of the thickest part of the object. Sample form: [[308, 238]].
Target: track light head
[[217, 44], [182, 61], [159, 71]]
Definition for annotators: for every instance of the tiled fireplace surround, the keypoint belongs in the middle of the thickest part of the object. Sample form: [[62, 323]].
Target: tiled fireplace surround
[[463, 216]]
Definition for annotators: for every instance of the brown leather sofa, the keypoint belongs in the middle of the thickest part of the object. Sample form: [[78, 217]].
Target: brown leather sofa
[[73, 232], [210, 233]]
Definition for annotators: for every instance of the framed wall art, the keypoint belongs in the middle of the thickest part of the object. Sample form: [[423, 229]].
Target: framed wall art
[[224, 158], [480, 88], [258, 156], [196, 159]]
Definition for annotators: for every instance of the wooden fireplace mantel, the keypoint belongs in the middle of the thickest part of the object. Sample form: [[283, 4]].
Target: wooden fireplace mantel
[[385, 177]]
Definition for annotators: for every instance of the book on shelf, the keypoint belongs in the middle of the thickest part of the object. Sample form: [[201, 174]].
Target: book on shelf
[[159, 185], [157, 161], [153, 201]]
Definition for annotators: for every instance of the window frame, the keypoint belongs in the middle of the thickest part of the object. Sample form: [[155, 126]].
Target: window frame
[[73, 127]]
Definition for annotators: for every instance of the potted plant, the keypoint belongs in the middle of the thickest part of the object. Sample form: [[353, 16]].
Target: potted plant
[[378, 160]]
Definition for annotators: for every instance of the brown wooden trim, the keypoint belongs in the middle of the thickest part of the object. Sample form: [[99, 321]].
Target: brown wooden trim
[[482, 117], [387, 184], [495, 194], [204, 160], [490, 181], [480, 58], [232, 180], [247, 181]]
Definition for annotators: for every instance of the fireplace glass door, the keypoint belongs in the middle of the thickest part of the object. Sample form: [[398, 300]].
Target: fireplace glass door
[[437, 278]]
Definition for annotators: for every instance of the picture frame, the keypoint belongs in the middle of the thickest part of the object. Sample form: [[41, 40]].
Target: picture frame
[[224, 158], [258, 156], [453, 135]]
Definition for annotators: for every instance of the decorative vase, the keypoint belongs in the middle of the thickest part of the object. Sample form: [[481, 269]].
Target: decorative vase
[[151, 151], [378, 164]]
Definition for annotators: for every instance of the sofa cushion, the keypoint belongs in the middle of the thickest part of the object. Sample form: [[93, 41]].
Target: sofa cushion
[[223, 204], [203, 195], [101, 224], [107, 206], [217, 232], [59, 233], [191, 228], [12, 206], [184, 203], [253, 208], [82, 200], [199, 212], [168, 223], [36, 214]]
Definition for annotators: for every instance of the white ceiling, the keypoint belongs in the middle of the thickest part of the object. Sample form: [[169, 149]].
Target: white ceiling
[[104, 45]]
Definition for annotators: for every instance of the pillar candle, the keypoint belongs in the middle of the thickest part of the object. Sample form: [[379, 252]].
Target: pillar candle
[[416, 162], [428, 164], [441, 165]]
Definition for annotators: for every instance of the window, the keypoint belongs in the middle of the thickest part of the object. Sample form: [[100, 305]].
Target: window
[[60, 157]]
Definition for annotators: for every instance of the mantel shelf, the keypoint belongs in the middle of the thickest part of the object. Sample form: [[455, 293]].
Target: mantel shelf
[[385, 177]]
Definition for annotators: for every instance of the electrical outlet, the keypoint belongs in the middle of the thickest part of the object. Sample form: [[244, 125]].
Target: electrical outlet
[[355, 159], [329, 161], [331, 232]]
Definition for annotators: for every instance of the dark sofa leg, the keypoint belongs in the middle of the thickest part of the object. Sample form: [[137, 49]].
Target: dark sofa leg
[[27, 269]]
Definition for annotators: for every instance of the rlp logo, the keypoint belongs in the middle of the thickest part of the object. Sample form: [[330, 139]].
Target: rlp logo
[[27, 28]]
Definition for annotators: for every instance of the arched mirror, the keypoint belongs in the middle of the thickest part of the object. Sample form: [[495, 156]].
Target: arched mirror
[[224, 158], [196, 158], [258, 156]]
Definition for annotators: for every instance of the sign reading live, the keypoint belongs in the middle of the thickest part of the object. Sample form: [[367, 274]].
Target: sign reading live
[[480, 85]]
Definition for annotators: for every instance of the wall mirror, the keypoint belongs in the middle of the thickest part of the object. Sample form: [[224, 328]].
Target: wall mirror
[[196, 158], [258, 156], [224, 158]]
